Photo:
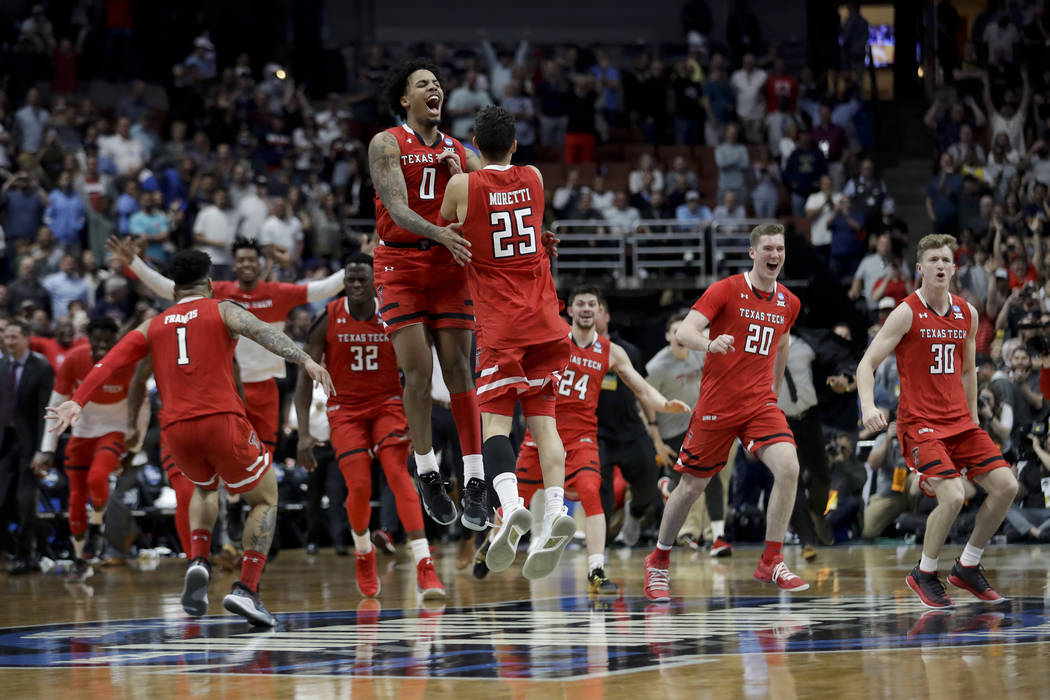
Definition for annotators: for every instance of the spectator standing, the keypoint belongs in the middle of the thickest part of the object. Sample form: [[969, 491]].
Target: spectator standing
[[65, 212], [25, 200], [463, 102], [1010, 119], [867, 192], [522, 107], [733, 164], [765, 194], [820, 208], [253, 211], [834, 144], [151, 224], [854, 41], [65, 286], [30, 122], [781, 88], [501, 64], [720, 100], [848, 241], [27, 287], [580, 130], [281, 236], [213, 232], [552, 93], [749, 84], [122, 150], [803, 173], [942, 197]]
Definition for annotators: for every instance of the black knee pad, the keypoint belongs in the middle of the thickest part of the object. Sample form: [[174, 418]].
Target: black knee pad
[[498, 456]]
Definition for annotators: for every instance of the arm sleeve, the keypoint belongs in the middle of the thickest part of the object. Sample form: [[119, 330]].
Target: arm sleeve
[[326, 288], [131, 348], [49, 442], [154, 281]]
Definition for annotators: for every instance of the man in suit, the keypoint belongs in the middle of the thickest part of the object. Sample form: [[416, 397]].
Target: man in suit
[[26, 380]]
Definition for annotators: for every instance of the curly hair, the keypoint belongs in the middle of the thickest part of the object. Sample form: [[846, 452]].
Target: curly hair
[[494, 131], [242, 243], [396, 83], [189, 267]]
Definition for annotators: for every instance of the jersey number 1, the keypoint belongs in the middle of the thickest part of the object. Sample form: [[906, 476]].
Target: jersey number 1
[[501, 248], [943, 358], [180, 337]]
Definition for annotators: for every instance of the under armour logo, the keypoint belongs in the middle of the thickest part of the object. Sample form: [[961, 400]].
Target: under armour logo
[[743, 295], [340, 320], [408, 140], [924, 315], [388, 269]]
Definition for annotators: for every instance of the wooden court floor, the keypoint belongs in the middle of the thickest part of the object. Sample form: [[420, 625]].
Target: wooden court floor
[[857, 633]]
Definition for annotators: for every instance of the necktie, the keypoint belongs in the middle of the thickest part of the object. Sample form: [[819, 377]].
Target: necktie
[[8, 408], [792, 392]]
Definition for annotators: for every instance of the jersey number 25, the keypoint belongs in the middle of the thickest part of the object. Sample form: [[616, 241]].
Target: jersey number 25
[[512, 228]]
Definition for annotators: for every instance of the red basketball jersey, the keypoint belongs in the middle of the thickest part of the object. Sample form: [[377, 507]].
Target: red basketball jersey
[[930, 364], [76, 366], [579, 389], [269, 301], [193, 361], [735, 385], [360, 358], [509, 275], [425, 178]]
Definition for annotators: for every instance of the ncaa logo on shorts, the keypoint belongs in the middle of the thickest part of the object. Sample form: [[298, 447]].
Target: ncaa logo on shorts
[[253, 440]]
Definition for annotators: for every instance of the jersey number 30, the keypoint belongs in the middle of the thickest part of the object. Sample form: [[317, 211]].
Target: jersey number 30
[[501, 247], [758, 340], [943, 358]]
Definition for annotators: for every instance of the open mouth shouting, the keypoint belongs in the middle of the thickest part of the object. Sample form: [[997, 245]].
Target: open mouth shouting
[[433, 103]]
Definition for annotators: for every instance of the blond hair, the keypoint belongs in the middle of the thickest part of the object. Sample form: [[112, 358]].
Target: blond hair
[[935, 240], [768, 229]]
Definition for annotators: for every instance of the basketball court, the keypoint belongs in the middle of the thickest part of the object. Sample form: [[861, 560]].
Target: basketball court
[[858, 632]]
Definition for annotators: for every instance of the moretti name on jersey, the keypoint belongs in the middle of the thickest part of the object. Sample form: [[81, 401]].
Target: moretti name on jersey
[[753, 315], [500, 199]]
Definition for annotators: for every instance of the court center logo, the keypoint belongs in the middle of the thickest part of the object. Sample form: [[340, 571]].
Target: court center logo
[[546, 639]]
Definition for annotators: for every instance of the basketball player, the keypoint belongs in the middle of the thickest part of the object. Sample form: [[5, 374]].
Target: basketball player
[[742, 323], [366, 417], [192, 344], [522, 339], [932, 333], [421, 282], [269, 301], [591, 356], [97, 444]]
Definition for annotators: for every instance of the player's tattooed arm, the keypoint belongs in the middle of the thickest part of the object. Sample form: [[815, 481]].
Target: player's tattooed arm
[[240, 321], [473, 161], [384, 165], [258, 532]]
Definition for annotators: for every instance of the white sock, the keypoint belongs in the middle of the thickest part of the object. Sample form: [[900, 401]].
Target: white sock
[[971, 556], [718, 528], [554, 501], [426, 463], [473, 468], [362, 543], [506, 486], [663, 547], [928, 564], [595, 561], [420, 549]]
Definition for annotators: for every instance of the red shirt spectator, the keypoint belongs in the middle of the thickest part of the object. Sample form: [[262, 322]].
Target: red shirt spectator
[[779, 84]]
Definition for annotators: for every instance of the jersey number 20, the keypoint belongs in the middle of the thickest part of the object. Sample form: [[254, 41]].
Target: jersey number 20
[[501, 247], [943, 358], [758, 340]]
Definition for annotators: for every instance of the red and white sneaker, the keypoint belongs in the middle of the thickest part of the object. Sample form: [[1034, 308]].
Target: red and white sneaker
[[365, 570], [776, 571], [427, 582], [657, 580], [721, 548]]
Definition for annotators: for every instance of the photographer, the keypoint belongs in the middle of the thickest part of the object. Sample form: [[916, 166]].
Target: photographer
[[847, 484], [892, 481], [1032, 504], [996, 416], [1017, 387]]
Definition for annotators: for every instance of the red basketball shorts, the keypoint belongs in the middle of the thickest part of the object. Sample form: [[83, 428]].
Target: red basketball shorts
[[88, 453], [527, 374], [262, 403], [421, 286], [583, 474], [968, 453], [367, 429], [706, 447], [222, 446]]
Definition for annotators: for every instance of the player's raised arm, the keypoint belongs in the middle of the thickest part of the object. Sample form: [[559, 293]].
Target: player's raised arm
[[240, 321], [693, 333], [384, 165], [969, 368], [647, 394], [326, 288], [454, 203], [315, 345], [124, 251], [897, 324]]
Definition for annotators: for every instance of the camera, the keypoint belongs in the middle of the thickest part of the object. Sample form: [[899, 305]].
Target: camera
[[1038, 344]]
